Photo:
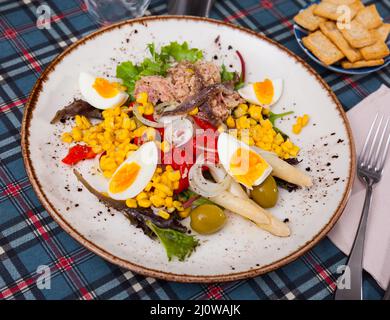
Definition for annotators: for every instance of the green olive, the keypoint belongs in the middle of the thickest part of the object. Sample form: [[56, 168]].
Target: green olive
[[207, 218], [266, 194]]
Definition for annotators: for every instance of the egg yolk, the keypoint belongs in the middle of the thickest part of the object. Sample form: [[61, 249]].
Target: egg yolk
[[105, 88], [247, 166], [124, 178], [264, 91]]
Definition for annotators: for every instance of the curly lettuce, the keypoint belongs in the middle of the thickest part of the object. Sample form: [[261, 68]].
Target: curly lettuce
[[177, 244]]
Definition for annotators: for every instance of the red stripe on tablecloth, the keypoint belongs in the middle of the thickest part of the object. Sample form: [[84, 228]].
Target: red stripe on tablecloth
[[34, 63], [322, 272], [355, 86], [41, 230], [241, 13], [214, 292], [16, 103], [16, 288], [86, 295], [64, 263]]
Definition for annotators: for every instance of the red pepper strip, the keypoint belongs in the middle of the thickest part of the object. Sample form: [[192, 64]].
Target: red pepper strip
[[77, 153], [184, 170], [203, 123], [242, 65]]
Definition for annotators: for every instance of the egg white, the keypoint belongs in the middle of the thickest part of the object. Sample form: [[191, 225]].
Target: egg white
[[90, 95], [248, 93], [227, 146], [146, 157]]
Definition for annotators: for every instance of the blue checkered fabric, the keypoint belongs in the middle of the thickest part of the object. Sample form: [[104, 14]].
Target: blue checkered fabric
[[28, 235]]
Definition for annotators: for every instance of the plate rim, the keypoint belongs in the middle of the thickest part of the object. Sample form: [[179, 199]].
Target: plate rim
[[143, 270]]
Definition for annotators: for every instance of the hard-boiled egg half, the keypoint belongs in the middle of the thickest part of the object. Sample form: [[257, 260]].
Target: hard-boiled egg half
[[134, 173], [264, 93], [241, 162], [100, 92]]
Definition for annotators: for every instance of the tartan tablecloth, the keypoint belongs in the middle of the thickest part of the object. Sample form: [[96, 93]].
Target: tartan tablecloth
[[30, 238]]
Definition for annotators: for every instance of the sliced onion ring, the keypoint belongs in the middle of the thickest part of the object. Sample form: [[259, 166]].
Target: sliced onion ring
[[146, 122], [202, 186]]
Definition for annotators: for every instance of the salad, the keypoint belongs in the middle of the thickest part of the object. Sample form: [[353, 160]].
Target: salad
[[177, 137]]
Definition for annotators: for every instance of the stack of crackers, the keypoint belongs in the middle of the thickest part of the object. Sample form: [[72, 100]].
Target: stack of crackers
[[361, 42]]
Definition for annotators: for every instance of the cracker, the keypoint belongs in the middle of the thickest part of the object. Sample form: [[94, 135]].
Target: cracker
[[322, 48], [307, 19], [329, 28], [330, 11], [382, 32], [362, 63], [376, 51], [369, 17], [357, 35]]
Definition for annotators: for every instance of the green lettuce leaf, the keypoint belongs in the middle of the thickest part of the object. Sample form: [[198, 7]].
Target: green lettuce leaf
[[180, 52], [226, 75], [176, 244]]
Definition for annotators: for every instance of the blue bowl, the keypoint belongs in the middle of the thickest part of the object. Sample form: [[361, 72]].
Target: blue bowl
[[300, 32]]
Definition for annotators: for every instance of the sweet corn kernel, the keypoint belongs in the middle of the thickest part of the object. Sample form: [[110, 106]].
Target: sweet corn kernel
[[131, 203], [160, 193], [97, 149], [163, 188], [255, 112], [265, 111], [168, 201], [305, 120], [141, 109], [178, 205], [67, 137], [240, 111], [194, 111], [139, 131], [141, 195], [297, 128], [142, 98], [144, 203], [163, 214], [157, 201], [230, 122], [148, 187], [278, 139], [149, 109], [243, 123], [174, 175], [77, 134]]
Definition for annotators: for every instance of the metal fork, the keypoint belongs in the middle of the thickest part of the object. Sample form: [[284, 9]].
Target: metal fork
[[369, 170]]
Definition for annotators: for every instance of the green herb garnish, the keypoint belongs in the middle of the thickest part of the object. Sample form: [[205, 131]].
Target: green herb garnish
[[274, 116], [176, 244]]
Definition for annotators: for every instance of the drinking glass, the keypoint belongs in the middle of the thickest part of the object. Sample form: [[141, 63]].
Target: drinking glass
[[110, 11]]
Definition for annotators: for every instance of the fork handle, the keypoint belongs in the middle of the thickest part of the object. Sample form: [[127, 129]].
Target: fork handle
[[355, 260]]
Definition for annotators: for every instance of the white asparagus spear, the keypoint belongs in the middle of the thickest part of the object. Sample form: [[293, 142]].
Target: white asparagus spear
[[284, 170], [237, 201]]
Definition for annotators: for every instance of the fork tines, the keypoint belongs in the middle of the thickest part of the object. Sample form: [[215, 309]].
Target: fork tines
[[376, 146]]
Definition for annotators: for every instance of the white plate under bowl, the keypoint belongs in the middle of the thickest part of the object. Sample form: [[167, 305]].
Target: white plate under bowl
[[241, 249]]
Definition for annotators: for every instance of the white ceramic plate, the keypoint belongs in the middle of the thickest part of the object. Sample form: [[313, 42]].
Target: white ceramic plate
[[241, 249]]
